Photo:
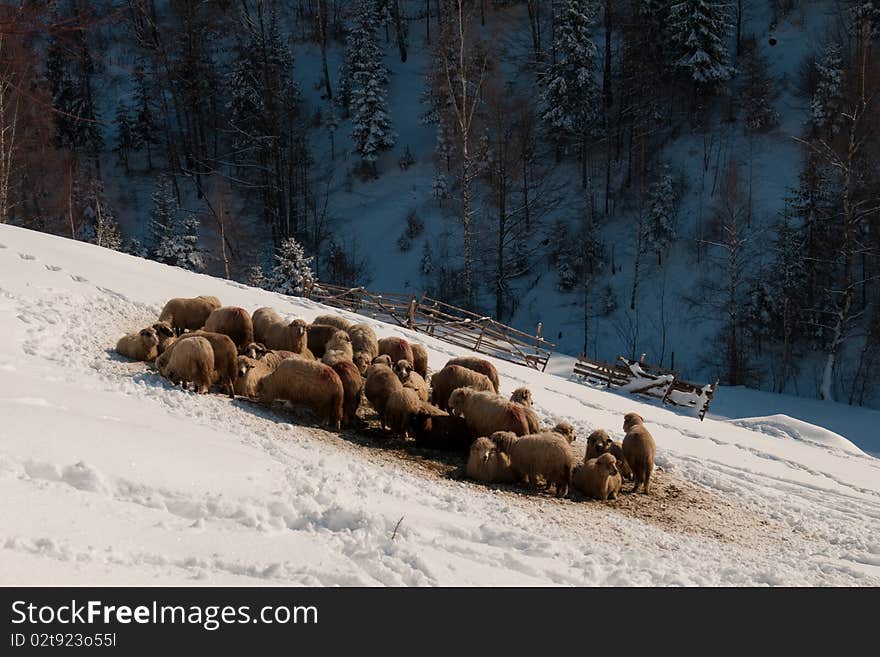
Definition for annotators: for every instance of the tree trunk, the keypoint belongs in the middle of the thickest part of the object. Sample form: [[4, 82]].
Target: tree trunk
[[322, 23]]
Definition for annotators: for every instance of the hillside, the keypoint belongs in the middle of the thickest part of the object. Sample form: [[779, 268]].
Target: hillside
[[112, 476]]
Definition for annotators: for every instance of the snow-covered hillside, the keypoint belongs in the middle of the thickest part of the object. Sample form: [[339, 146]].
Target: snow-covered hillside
[[111, 476]]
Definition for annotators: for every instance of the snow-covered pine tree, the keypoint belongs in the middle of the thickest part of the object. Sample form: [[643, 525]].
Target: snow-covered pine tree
[[758, 92], [189, 255], [827, 102], [371, 129], [125, 140], [660, 216], [106, 230], [697, 31], [163, 221], [145, 128], [293, 272], [255, 276]]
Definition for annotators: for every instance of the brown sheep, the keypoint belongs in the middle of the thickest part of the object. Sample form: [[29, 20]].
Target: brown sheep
[[309, 383], [397, 349], [225, 357], [250, 373], [362, 361], [598, 443], [542, 454], [638, 450], [411, 379], [165, 334], [276, 333], [364, 344], [143, 345], [420, 359], [337, 349], [598, 478], [452, 377], [435, 429], [234, 322], [188, 314], [402, 404], [380, 385], [190, 360], [566, 430], [352, 389], [487, 412], [522, 396], [487, 463], [319, 334], [384, 359], [480, 365], [625, 471], [334, 320]]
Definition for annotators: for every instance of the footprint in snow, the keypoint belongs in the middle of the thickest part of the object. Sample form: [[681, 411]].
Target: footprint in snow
[[26, 256], [2, 246], [79, 279], [53, 267]]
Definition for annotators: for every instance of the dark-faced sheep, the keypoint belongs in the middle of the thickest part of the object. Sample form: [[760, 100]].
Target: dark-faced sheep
[[638, 450], [545, 455], [488, 464], [318, 336], [143, 345], [190, 360], [334, 320], [487, 412], [452, 377], [165, 334], [380, 385], [420, 359], [364, 344], [400, 408], [352, 389], [225, 357], [384, 359], [434, 429], [598, 443], [411, 379], [308, 383], [396, 348], [234, 322], [480, 365], [275, 333], [188, 314], [337, 349], [250, 372], [598, 478]]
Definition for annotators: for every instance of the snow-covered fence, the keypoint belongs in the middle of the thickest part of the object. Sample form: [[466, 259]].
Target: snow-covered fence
[[444, 321], [638, 378]]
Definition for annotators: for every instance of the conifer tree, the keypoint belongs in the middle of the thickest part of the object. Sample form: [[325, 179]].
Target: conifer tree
[[125, 140], [697, 31], [758, 93], [293, 272], [827, 102]]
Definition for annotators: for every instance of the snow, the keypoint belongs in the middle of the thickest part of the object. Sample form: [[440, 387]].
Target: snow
[[111, 476]]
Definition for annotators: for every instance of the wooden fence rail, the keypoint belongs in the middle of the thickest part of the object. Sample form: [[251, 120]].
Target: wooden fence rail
[[443, 321]]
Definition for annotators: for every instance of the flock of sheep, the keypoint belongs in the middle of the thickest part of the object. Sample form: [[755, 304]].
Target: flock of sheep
[[330, 364]]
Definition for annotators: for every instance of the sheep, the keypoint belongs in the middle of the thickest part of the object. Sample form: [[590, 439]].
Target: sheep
[[638, 450], [338, 349], [384, 359], [480, 365], [487, 412], [420, 359], [306, 382], [546, 454], [190, 360], [143, 345], [165, 334], [352, 390], [622, 466], [188, 314], [234, 322], [250, 371], [487, 463], [381, 383], [276, 333], [334, 320], [523, 397], [364, 344], [225, 358], [452, 377], [318, 335], [402, 404], [435, 429], [258, 351], [598, 478], [411, 379], [397, 349], [599, 442]]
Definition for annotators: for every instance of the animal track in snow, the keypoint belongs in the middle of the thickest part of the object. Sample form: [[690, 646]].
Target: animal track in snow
[[53, 267], [26, 256], [79, 279]]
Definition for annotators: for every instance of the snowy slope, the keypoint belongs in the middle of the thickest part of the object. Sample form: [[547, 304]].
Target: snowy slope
[[110, 476]]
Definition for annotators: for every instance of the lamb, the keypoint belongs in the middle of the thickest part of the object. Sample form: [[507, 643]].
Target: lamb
[[486, 412], [309, 383], [411, 379], [402, 404], [598, 478], [452, 377], [420, 359], [435, 429], [381, 384], [487, 463], [384, 359], [165, 334], [275, 333], [352, 390], [338, 349], [599, 442], [480, 365], [190, 360], [318, 335], [250, 373], [566, 430], [363, 342], [362, 361], [523, 397], [258, 351], [638, 450], [143, 345], [188, 314], [234, 322], [397, 349], [334, 320], [543, 454]]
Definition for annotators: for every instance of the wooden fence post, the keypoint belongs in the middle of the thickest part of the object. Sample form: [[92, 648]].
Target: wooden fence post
[[480, 338], [410, 313]]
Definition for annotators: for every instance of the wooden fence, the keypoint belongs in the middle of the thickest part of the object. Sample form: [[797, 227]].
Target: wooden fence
[[639, 378], [443, 321]]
